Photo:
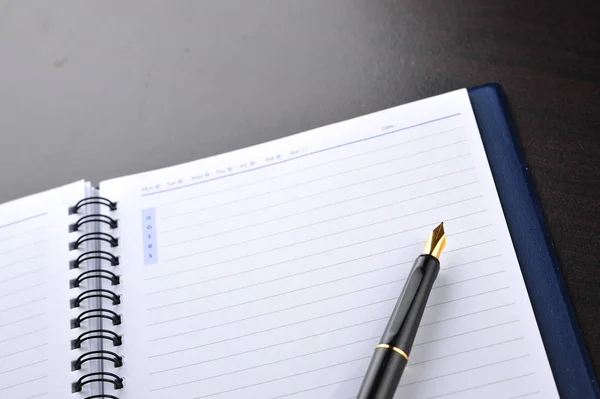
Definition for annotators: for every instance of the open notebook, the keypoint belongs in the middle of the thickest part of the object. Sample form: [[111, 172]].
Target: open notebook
[[270, 272]]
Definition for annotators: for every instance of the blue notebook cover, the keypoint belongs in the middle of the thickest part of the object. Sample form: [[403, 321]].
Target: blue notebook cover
[[554, 313]]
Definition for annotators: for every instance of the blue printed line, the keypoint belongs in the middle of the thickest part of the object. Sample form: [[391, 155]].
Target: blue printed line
[[305, 155], [23, 220]]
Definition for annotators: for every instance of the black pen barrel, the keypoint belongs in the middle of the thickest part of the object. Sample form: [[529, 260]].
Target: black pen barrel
[[391, 355], [429, 267], [383, 374]]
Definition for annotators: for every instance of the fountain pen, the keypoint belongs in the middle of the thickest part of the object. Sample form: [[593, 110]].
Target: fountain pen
[[392, 352]]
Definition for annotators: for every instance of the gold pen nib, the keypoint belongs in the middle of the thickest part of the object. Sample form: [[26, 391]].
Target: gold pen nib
[[436, 241]]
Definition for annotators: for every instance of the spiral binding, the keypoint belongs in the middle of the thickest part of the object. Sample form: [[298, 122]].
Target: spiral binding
[[101, 335]]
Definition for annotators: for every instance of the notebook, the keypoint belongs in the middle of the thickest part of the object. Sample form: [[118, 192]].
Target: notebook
[[270, 272]]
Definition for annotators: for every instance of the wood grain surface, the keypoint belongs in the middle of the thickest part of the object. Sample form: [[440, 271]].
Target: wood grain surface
[[100, 89]]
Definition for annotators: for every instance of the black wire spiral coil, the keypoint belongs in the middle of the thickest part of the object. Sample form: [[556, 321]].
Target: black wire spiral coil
[[101, 335]]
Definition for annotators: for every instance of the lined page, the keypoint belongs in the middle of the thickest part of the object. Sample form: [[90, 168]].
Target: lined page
[[270, 272], [35, 354]]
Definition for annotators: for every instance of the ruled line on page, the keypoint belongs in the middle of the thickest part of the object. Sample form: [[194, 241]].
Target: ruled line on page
[[264, 382], [22, 220], [468, 314], [21, 335], [352, 397], [297, 185], [20, 261], [260, 365], [314, 208], [284, 277], [395, 264], [306, 169], [337, 264], [394, 248], [305, 155], [362, 376], [23, 233], [22, 351], [318, 253], [469, 296], [337, 296], [341, 346], [465, 370], [318, 387], [29, 244], [24, 289], [493, 273], [270, 346], [330, 366], [471, 313], [312, 319], [341, 202], [343, 328], [23, 319], [281, 326], [298, 305], [270, 297], [38, 395], [22, 275], [390, 282], [363, 211], [321, 222], [23, 304], [320, 317], [312, 303], [296, 199], [466, 333], [359, 227], [24, 366], [327, 367], [467, 350], [525, 395], [23, 383], [483, 385], [446, 268]]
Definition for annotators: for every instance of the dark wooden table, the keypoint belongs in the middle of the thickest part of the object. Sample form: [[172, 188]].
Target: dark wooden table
[[97, 90]]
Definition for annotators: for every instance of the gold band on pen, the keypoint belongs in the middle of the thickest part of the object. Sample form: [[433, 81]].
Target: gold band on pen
[[401, 352], [397, 350]]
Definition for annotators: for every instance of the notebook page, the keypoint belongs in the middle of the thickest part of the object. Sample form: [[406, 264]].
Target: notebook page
[[35, 353], [270, 272]]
